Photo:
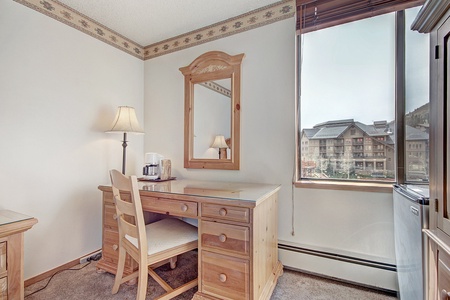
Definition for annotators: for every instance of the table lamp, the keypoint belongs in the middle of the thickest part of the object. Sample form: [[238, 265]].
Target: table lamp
[[125, 121], [219, 142]]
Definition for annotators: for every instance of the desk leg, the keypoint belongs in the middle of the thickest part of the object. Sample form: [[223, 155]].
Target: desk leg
[[15, 266]]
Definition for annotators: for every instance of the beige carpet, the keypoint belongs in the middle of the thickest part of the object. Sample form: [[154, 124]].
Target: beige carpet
[[87, 284]]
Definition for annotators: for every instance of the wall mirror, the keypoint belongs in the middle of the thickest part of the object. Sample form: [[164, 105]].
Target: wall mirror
[[212, 88]]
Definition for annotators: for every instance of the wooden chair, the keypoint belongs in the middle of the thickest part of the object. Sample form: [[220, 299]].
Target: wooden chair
[[148, 244]]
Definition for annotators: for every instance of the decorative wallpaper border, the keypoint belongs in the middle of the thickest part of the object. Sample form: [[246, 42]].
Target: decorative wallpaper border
[[256, 18], [216, 88]]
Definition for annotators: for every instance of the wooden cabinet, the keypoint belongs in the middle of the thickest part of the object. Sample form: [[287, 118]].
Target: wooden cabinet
[[237, 229], [434, 18], [12, 228], [441, 129]]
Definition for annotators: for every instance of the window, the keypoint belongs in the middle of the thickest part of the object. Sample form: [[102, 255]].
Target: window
[[348, 93], [417, 108]]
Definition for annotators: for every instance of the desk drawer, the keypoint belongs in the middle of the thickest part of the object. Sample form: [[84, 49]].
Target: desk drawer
[[224, 212], [225, 277], [110, 217], [111, 246], [170, 207], [110, 251], [230, 238]]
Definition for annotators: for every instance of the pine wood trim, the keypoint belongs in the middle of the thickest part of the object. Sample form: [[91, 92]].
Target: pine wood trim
[[374, 187]]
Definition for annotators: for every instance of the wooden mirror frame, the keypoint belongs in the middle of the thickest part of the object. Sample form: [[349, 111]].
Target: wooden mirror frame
[[213, 65]]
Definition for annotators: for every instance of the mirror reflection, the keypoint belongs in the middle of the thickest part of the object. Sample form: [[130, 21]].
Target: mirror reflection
[[212, 119]]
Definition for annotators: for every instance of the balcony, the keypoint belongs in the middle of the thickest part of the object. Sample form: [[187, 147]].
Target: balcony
[[339, 150], [339, 143]]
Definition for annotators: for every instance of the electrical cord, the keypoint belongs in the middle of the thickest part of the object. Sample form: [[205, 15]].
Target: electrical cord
[[89, 261]]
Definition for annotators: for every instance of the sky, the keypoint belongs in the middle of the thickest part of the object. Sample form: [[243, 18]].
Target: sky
[[348, 71]]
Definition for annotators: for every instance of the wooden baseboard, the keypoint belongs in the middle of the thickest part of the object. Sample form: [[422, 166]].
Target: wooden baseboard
[[50, 273]]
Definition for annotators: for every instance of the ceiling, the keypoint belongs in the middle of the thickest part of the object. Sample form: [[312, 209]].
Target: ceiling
[[146, 22]]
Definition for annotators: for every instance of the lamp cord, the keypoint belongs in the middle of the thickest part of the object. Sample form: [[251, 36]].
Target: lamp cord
[[51, 277]]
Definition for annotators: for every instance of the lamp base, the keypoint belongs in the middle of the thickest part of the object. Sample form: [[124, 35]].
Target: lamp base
[[222, 153], [124, 152]]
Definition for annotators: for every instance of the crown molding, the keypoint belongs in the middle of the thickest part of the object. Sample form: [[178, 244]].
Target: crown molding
[[429, 15], [254, 19]]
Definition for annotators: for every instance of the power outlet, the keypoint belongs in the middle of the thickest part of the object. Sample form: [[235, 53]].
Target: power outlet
[[93, 256]]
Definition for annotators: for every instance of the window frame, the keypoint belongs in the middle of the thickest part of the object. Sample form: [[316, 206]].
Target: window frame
[[400, 95]]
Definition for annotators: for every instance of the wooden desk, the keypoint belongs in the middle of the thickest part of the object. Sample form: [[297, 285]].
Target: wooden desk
[[12, 227], [238, 234]]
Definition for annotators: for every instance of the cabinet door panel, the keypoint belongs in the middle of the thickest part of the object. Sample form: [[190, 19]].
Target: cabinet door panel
[[441, 129], [443, 279]]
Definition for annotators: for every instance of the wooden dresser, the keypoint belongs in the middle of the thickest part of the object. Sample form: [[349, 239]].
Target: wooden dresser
[[237, 228], [12, 228], [434, 18]]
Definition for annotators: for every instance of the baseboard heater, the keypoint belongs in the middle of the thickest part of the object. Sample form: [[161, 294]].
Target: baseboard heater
[[339, 257]]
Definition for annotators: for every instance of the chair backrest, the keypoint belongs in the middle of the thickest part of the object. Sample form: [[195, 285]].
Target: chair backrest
[[129, 214]]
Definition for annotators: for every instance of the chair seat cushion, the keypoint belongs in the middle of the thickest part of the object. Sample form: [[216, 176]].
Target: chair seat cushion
[[166, 234]]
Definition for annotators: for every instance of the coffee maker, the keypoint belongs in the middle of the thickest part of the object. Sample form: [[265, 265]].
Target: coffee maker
[[152, 168]]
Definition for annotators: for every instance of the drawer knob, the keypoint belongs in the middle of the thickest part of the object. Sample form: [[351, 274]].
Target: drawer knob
[[223, 212], [445, 295], [115, 216], [115, 247], [184, 207], [222, 237], [222, 277]]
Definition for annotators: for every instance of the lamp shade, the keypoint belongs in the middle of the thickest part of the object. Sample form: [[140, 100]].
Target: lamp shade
[[126, 121], [219, 142]]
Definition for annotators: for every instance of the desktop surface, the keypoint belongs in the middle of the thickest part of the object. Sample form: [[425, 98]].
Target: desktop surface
[[212, 189]]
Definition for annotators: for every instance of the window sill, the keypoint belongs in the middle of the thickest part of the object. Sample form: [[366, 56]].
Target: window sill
[[375, 187]]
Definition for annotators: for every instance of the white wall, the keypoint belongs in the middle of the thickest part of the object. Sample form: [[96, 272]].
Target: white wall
[[267, 108], [352, 223], [59, 90]]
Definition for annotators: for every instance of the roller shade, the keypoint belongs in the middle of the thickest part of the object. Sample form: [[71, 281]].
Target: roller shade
[[318, 14]]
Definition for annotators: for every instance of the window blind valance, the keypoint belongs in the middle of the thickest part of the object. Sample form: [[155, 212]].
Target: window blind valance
[[318, 14]]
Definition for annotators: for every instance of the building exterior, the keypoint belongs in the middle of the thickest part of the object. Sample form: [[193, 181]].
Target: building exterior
[[417, 153], [347, 149]]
